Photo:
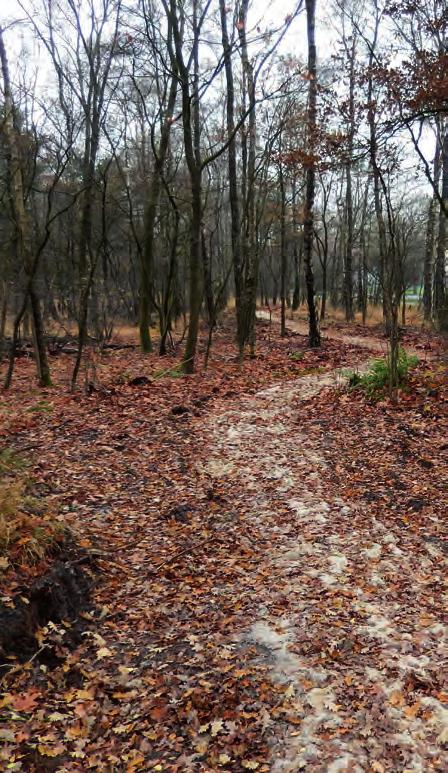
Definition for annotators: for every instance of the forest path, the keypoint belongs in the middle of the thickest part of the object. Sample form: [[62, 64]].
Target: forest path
[[272, 562], [341, 624], [301, 326]]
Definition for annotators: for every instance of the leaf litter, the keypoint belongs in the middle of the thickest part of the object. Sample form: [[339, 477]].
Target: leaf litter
[[273, 570]]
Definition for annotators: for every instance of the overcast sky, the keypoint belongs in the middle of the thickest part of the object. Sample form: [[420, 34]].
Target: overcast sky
[[25, 51]]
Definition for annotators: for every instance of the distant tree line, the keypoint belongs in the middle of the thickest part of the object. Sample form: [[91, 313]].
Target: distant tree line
[[178, 157]]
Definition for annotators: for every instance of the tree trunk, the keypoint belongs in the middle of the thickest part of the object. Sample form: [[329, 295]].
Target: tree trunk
[[283, 254], [297, 252], [348, 263], [169, 301], [373, 150], [430, 240], [22, 224], [252, 253], [233, 177], [3, 313], [147, 267], [192, 134], [440, 299], [308, 225], [324, 289], [208, 281]]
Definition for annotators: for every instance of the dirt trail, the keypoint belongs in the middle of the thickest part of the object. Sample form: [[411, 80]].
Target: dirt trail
[[249, 618], [300, 326], [338, 575]]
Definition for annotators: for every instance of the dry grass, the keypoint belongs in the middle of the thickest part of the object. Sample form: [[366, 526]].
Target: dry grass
[[129, 333], [29, 529], [414, 315]]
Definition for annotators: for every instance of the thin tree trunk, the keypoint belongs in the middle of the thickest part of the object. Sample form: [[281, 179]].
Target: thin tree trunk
[[296, 251], [373, 150], [168, 301], [147, 267], [192, 135], [3, 313], [430, 240], [22, 224], [283, 253], [440, 299], [308, 225], [348, 267], [252, 256], [324, 289], [233, 177]]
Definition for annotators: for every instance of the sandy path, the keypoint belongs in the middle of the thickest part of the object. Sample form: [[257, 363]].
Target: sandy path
[[300, 326], [334, 633]]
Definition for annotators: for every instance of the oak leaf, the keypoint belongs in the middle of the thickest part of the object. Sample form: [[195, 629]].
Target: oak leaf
[[50, 751], [216, 726], [24, 701]]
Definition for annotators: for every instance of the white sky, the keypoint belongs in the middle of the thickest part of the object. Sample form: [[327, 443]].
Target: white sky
[[24, 51]]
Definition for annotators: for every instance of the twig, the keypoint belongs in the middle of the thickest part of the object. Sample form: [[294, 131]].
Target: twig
[[181, 553], [18, 666]]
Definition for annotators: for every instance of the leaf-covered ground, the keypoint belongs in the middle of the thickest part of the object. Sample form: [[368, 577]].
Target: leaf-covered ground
[[272, 554]]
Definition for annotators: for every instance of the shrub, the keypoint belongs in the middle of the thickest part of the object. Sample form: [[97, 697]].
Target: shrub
[[377, 379]]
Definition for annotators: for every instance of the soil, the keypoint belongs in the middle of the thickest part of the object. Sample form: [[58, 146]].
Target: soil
[[58, 595]]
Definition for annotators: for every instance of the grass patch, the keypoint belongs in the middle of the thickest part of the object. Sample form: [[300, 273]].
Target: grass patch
[[41, 407], [28, 530], [11, 462], [175, 372], [122, 378], [296, 356], [375, 382], [29, 527]]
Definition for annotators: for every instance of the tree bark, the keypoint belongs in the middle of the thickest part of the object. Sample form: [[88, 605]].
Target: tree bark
[[430, 240], [348, 263], [147, 268], [373, 152], [440, 295], [308, 225], [234, 200], [252, 253], [297, 251], [283, 252], [22, 224]]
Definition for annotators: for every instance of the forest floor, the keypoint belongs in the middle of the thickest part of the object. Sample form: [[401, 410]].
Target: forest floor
[[271, 558]]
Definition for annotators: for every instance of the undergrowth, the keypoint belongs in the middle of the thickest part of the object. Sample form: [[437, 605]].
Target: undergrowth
[[296, 356], [29, 528], [376, 381], [11, 462], [174, 372]]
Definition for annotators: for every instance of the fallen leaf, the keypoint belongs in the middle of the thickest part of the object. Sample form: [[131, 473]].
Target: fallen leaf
[[289, 693], [51, 751], [216, 726], [104, 652], [25, 701]]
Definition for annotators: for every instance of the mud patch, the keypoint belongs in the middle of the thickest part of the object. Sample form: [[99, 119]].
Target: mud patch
[[59, 595]]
